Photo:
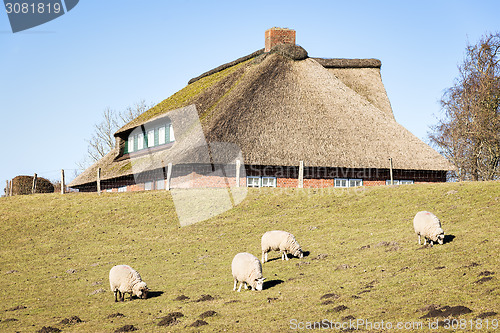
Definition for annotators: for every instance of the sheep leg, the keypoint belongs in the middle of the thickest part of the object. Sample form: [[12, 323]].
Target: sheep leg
[[432, 243], [131, 296], [122, 296], [246, 285], [425, 240], [263, 256], [115, 292], [419, 240], [239, 289], [235, 283]]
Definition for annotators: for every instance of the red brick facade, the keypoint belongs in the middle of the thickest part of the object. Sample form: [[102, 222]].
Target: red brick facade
[[275, 36], [208, 176]]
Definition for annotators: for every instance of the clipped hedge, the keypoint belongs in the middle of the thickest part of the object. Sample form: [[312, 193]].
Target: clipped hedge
[[23, 184]]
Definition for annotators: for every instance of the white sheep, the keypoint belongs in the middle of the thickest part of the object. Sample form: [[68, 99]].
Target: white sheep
[[247, 269], [282, 241], [124, 279], [428, 226]]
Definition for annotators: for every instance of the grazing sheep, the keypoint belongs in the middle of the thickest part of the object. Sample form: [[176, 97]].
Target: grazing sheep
[[282, 241], [124, 279], [428, 226], [247, 269]]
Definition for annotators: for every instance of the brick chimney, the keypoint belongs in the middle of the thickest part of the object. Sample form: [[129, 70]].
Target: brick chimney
[[275, 36]]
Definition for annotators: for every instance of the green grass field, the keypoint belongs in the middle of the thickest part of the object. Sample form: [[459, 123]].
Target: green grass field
[[363, 262]]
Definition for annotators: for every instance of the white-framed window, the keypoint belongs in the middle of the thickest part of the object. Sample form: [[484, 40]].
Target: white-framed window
[[171, 133], [341, 182], [268, 182], [151, 138], [256, 181], [140, 142], [148, 186], [161, 135], [400, 182], [122, 189], [355, 182], [253, 181], [130, 145], [160, 184], [346, 182]]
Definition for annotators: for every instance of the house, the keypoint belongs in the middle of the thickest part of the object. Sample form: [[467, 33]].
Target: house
[[274, 118]]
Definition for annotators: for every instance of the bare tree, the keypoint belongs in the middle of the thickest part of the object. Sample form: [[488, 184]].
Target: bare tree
[[103, 140], [469, 134]]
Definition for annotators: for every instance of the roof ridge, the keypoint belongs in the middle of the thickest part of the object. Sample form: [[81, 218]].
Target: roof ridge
[[348, 63], [227, 65]]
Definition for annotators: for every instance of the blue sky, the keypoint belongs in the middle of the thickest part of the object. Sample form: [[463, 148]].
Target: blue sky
[[56, 79]]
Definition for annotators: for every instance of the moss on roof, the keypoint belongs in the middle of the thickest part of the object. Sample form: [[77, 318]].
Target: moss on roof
[[183, 97]]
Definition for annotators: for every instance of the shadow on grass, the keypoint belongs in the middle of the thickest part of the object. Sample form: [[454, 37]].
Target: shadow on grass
[[448, 239], [271, 283], [289, 256], [153, 294]]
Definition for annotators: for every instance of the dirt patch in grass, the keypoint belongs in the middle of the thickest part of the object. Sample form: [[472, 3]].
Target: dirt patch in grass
[[232, 301], [471, 265], [486, 314], [9, 320], [48, 329], [181, 298], [349, 317], [206, 314], [116, 315], [70, 321], [447, 311], [484, 279], [198, 323], [204, 298], [320, 256], [440, 267], [486, 273], [170, 319], [19, 307], [330, 295], [126, 328], [338, 308]]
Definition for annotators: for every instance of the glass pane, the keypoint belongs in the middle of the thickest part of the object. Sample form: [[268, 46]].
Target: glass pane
[[140, 142], [172, 138], [130, 145], [151, 138], [161, 135]]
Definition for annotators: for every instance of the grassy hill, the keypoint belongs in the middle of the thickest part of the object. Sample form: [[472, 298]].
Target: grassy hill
[[363, 261]]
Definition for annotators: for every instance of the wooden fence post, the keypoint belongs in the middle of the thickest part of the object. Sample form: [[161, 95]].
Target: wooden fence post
[[390, 170], [33, 186], [301, 174], [99, 180], [238, 166], [63, 186], [169, 176]]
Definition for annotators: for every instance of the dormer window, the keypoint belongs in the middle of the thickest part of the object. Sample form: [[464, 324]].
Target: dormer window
[[149, 138]]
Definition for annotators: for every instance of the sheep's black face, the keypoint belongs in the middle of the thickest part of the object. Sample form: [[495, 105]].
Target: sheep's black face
[[144, 293], [299, 253], [440, 238]]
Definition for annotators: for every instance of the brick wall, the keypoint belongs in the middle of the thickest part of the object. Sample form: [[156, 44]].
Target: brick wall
[[189, 176], [275, 36]]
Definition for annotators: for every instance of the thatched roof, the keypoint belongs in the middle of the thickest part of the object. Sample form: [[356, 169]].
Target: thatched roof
[[279, 111]]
